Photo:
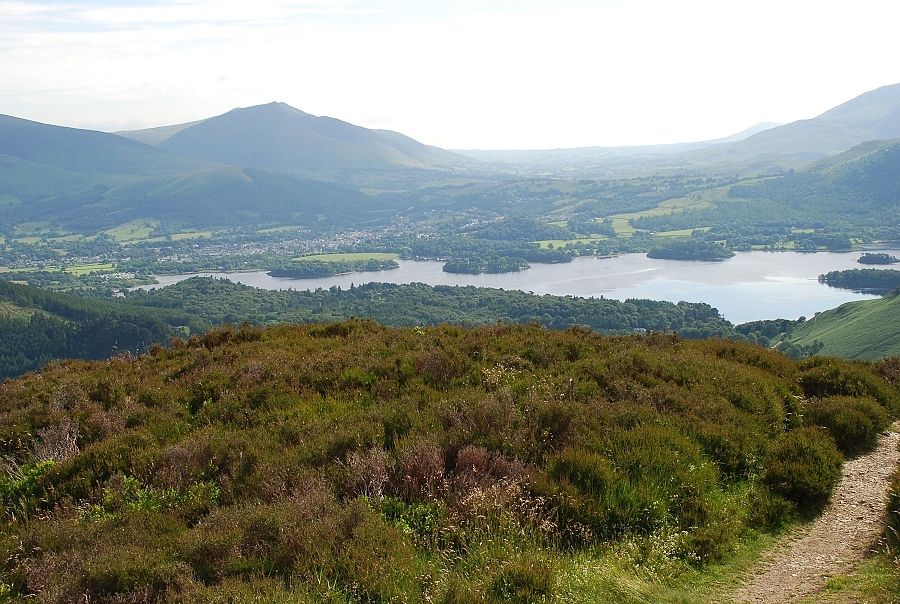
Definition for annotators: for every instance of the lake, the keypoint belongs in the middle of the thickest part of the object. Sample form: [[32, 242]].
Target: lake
[[748, 287]]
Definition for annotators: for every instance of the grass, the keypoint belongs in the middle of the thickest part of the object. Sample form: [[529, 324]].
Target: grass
[[698, 200], [622, 224], [393, 465], [867, 329], [85, 269], [558, 243], [177, 236], [136, 230], [11, 311], [282, 229], [876, 581], [350, 257], [680, 232], [615, 577]]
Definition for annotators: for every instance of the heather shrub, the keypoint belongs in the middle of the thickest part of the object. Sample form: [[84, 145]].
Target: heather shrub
[[892, 530], [767, 510], [418, 474], [524, 581], [133, 571], [824, 376], [854, 423], [803, 466], [350, 463]]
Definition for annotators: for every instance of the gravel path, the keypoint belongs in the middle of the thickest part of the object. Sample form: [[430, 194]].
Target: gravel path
[[836, 542]]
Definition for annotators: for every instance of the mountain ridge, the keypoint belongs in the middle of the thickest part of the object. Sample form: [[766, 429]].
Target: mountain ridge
[[278, 137]]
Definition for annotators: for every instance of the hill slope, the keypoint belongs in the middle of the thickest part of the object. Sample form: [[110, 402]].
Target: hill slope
[[870, 116], [37, 326], [281, 138], [85, 152], [86, 181], [868, 329], [350, 462]]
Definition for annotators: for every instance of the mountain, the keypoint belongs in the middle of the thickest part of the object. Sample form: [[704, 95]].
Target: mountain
[[85, 181], [278, 137], [871, 116], [763, 149], [862, 179], [867, 329], [85, 152], [602, 158], [154, 136]]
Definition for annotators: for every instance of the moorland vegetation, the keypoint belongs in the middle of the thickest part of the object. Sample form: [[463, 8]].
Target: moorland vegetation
[[351, 462]]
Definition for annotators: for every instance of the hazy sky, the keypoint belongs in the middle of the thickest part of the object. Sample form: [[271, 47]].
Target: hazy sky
[[454, 73]]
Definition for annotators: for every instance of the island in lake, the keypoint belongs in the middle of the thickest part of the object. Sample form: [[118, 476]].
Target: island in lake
[[489, 264], [868, 258], [690, 249], [869, 280], [309, 269]]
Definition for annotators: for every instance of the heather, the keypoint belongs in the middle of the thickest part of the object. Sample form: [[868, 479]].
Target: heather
[[351, 462]]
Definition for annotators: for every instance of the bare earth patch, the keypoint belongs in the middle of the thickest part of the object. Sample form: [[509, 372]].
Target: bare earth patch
[[838, 540]]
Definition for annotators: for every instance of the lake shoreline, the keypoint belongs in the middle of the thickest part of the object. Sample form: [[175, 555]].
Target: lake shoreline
[[749, 286]]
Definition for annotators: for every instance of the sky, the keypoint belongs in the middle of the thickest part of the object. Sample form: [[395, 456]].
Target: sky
[[460, 74]]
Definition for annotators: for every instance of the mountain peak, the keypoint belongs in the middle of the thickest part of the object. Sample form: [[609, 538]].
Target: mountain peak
[[278, 137]]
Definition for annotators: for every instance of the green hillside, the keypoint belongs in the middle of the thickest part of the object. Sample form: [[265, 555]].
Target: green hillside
[[870, 116], [37, 326], [85, 182], [854, 194], [86, 151], [868, 329], [349, 462], [281, 138]]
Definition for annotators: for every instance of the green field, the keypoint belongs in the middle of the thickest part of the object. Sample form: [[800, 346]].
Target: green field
[[85, 269], [699, 200], [558, 243], [349, 257], [868, 329], [136, 230], [282, 229], [680, 232]]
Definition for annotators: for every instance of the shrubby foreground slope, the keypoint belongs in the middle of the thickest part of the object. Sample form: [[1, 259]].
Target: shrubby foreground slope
[[351, 462]]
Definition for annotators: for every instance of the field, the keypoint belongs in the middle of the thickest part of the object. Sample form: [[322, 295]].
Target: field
[[290, 228], [136, 230], [558, 243], [85, 269], [700, 200]]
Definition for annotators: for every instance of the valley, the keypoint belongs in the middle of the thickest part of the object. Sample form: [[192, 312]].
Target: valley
[[568, 375]]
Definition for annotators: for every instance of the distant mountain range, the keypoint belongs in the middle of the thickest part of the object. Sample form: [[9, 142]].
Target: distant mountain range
[[874, 115], [763, 149], [203, 174], [274, 163], [281, 138], [607, 157]]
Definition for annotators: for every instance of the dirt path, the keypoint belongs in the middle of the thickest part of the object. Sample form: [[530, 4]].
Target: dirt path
[[835, 542]]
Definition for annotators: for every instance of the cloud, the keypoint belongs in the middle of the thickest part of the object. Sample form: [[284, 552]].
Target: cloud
[[461, 74]]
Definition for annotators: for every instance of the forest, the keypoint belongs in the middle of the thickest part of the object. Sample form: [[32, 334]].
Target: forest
[[48, 325]]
